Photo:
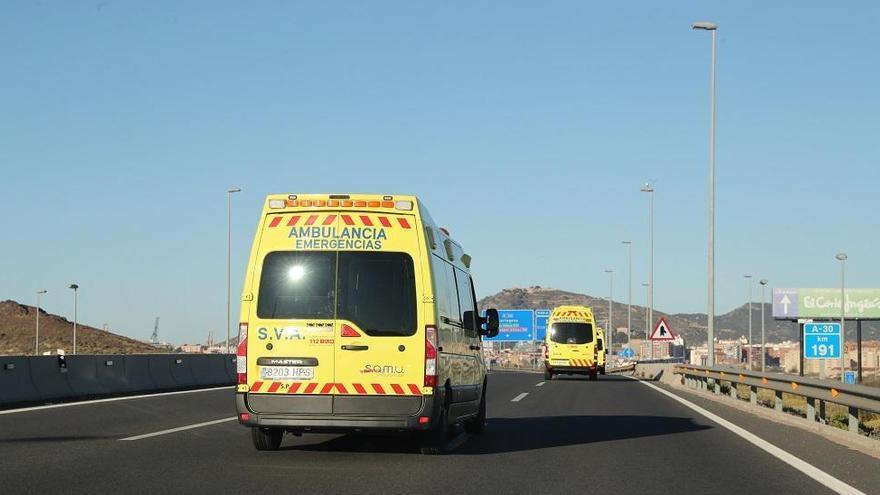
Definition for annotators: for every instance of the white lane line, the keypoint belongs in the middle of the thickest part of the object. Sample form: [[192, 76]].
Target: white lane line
[[817, 474], [112, 399], [539, 384], [181, 428], [519, 397]]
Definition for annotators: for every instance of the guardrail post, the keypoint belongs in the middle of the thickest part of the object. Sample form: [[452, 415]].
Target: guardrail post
[[822, 417], [778, 402], [853, 420], [734, 392], [704, 383], [717, 386], [753, 394], [811, 410]]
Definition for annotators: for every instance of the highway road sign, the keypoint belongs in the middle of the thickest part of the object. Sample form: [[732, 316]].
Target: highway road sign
[[821, 340], [662, 331], [627, 352], [541, 317], [516, 325], [791, 304]]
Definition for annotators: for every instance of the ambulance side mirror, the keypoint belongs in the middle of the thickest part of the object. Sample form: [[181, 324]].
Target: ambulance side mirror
[[491, 321]]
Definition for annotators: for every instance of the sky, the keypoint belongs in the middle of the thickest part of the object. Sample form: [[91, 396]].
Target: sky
[[527, 128]]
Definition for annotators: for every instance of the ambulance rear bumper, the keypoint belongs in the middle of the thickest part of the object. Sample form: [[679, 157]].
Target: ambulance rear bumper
[[327, 422]]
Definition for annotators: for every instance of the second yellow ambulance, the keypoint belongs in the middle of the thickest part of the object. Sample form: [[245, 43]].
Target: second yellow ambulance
[[571, 345]]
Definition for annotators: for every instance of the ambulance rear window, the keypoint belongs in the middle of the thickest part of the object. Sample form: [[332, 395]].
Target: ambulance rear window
[[571, 333], [374, 290]]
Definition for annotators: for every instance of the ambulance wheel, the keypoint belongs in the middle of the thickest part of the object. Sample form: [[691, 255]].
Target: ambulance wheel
[[433, 441], [267, 438], [477, 425], [548, 375]]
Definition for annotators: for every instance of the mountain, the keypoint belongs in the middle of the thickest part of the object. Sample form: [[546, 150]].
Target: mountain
[[17, 325], [691, 326]]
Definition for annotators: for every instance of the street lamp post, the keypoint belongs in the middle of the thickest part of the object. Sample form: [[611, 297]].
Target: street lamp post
[[842, 258], [763, 342], [75, 288], [713, 28], [647, 314], [610, 338], [37, 332], [749, 347], [629, 304], [229, 193], [647, 188]]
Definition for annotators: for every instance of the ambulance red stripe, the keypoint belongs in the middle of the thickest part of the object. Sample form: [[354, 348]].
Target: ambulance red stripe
[[347, 219], [274, 386], [378, 389], [275, 221], [294, 387], [397, 389], [310, 388], [366, 221], [403, 222], [311, 219], [329, 220], [327, 388], [341, 388], [415, 389], [293, 220], [384, 221], [256, 386], [360, 388]]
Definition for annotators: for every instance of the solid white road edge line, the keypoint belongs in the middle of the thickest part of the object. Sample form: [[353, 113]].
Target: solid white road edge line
[[181, 428], [539, 384], [817, 474], [519, 397], [112, 399]]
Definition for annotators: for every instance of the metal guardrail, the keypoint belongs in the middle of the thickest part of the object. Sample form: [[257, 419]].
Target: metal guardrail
[[854, 397]]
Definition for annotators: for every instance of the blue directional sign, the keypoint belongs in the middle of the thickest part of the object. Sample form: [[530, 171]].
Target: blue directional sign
[[516, 325], [627, 352], [822, 341], [541, 318]]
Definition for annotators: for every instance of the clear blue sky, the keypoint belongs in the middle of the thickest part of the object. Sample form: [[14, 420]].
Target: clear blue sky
[[526, 127]]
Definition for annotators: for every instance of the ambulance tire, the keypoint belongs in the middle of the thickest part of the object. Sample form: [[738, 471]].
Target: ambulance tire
[[548, 375], [433, 441], [267, 438], [477, 425]]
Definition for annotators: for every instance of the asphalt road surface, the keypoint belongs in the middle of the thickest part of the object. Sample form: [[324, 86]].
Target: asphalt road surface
[[568, 435]]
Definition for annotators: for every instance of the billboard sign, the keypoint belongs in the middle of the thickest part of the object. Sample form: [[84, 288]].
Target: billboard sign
[[791, 304]]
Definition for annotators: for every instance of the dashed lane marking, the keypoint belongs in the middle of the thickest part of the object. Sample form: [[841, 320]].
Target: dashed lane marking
[[180, 428], [519, 397]]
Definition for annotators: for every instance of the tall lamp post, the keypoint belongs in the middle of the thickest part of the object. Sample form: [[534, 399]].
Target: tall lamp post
[[37, 332], [629, 304], [610, 338], [842, 258], [647, 188], [647, 320], [749, 348], [75, 288], [229, 193], [763, 342], [713, 28]]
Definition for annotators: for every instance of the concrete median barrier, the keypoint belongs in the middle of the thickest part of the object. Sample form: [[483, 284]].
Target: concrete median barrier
[[49, 376], [160, 371], [15, 380], [39, 379], [137, 373]]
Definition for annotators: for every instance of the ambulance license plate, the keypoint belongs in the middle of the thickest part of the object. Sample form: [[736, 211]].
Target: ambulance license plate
[[559, 362], [287, 372]]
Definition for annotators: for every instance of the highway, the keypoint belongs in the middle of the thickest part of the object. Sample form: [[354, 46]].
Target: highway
[[568, 435]]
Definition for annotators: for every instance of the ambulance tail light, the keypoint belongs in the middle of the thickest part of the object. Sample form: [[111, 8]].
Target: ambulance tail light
[[430, 356], [241, 354], [347, 331]]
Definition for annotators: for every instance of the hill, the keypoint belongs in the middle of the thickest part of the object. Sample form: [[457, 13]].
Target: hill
[[17, 322], [692, 326]]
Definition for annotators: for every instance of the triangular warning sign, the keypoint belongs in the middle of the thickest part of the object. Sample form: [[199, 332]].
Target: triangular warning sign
[[662, 331]]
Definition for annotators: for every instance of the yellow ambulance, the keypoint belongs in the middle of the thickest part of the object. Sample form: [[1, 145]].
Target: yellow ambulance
[[571, 345], [358, 313]]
